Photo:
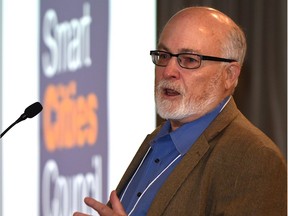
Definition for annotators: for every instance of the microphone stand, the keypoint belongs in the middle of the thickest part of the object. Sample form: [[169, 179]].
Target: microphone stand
[[21, 118]]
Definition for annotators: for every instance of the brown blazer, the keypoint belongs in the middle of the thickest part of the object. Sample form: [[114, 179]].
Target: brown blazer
[[232, 169]]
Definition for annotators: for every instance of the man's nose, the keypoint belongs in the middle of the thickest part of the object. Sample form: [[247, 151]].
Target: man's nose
[[172, 69]]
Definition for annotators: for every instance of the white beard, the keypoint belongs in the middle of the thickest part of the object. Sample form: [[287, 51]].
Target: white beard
[[185, 105]]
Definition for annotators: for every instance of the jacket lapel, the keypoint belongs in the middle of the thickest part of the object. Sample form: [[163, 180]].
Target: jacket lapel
[[178, 176]]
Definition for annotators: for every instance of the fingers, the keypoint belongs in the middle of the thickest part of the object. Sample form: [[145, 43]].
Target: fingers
[[116, 204], [103, 209], [80, 214]]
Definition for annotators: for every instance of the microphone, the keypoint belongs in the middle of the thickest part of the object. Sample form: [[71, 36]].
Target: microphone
[[29, 112]]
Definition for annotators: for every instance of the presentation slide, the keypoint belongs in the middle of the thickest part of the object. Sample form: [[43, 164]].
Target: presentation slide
[[87, 62]]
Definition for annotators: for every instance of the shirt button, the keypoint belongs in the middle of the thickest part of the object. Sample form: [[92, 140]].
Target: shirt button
[[157, 160], [139, 194]]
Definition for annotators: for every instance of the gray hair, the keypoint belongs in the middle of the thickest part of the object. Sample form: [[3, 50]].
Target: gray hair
[[235, 45]]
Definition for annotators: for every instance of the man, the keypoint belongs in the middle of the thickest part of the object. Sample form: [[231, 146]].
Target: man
[[207, 158]]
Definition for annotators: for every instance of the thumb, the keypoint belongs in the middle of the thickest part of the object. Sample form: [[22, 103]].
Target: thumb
[[116, 204]]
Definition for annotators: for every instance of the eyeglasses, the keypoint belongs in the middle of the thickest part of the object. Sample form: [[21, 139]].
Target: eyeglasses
[[185, 60]]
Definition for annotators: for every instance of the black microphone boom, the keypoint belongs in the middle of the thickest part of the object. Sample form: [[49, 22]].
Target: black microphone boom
[[29, 112]]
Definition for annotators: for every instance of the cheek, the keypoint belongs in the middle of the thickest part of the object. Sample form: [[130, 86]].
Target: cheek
[[202, 86], [195, 84], [158, 75]]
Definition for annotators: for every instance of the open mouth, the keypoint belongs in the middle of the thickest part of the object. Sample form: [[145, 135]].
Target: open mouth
[[170, 92]]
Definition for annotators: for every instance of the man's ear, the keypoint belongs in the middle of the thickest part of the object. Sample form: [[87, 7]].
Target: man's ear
[[232, 71]]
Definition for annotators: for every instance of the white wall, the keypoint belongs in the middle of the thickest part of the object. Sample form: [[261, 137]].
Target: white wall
[[0, 107], [130, 84], [20, 88]]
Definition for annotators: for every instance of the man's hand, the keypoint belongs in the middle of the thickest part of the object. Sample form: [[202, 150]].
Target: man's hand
[[104, 210]]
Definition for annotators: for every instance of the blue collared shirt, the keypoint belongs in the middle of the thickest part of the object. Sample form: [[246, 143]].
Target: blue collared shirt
[[165, 152]]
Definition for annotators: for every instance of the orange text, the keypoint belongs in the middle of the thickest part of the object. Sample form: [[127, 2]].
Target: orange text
[[69, 120]]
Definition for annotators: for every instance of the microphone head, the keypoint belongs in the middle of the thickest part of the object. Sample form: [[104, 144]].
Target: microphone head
[[33, 110]]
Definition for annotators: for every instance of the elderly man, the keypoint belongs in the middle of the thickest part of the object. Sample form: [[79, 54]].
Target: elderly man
[[207, 158]]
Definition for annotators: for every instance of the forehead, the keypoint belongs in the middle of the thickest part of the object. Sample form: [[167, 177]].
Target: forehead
[[200, 32]]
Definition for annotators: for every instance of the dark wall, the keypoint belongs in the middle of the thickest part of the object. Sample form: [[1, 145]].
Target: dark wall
[[261, 94]]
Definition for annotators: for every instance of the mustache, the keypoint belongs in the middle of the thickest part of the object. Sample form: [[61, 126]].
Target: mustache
[[165, 85]]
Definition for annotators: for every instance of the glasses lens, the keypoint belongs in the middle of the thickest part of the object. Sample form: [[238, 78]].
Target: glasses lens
[[185, 60], [160, 58], [189, 61]]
